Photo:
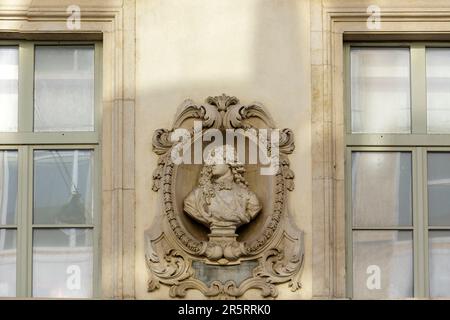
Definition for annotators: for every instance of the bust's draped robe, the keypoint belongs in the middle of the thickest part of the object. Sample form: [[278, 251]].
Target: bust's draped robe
[[230, 207]]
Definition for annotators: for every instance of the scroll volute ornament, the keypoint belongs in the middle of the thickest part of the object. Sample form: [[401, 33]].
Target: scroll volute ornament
[[222, 228]]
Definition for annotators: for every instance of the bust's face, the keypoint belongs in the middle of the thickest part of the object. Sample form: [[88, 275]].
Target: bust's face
[[220, 169]]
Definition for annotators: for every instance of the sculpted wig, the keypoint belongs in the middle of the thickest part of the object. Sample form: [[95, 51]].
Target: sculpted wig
[[218, 156]]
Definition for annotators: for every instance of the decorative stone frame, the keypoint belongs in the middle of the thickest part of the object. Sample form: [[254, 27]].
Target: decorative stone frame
[[333, 22], [113, 22], [275, 249]]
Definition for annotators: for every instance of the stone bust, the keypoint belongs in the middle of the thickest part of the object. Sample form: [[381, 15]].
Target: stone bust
[[222, 200]]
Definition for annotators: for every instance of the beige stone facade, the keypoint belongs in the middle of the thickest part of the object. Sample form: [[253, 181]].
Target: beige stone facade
[[286, 54]]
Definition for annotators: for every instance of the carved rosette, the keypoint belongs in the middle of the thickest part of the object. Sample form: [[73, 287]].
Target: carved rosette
[[171, 249]]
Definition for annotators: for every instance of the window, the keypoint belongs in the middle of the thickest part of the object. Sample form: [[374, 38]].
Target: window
[[398, 170], [49, 168]]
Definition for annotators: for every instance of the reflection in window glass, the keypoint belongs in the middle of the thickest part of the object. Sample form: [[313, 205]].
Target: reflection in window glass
[[438, 189], [8, 187], [62, 263], [63, 192], [381, 189], [64, 88], [9, 88], [7, 263], [439, 263], [438, 95], [382, 264], [380, 90]]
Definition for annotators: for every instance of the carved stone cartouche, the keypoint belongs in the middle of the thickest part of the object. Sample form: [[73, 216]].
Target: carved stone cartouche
[[222, 201]]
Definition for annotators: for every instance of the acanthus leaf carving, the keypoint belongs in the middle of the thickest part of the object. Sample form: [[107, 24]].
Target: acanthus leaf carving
[[288, 174], [167, 265], [222, 112], [286, 145], [208, 114], [283, 263], [256, 110], [161, 141]]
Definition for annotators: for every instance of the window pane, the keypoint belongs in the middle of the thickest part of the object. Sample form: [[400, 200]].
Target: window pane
[[380, 90], [7, 263], [438, 94], [439, 264], [64, 88], [381, 189], [382, 264], [9, 88], [439, 189], [8, 187], [63, 192], [62, 263]]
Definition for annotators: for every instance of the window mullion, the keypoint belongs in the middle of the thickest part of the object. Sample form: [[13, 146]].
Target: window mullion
[[419, 229], [348, 95], [29, 221], [349, 223], [26, 86], [418, 89], [424, 207], [98, 87], [22, 239], [97, 220]]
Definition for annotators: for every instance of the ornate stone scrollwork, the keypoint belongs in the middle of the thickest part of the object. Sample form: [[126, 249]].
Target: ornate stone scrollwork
[[223, 228]]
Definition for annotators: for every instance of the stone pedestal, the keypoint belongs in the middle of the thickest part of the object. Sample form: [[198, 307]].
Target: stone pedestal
[[222, 234]]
